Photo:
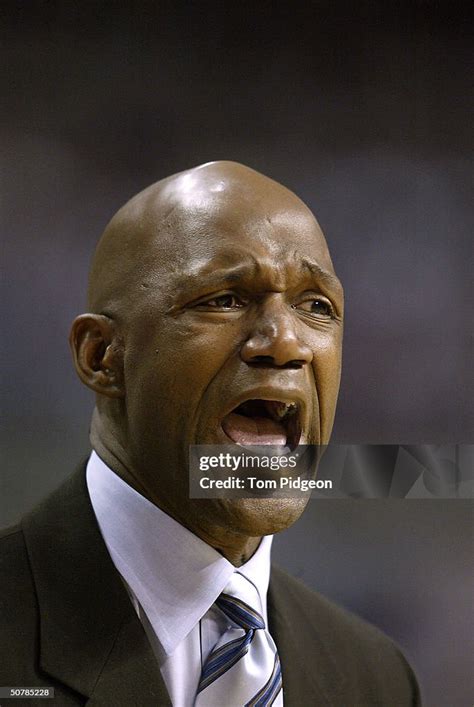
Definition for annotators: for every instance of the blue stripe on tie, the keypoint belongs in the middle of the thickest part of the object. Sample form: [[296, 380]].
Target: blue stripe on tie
[[225, 657], [214, 654], [267, 695], [241, 613]]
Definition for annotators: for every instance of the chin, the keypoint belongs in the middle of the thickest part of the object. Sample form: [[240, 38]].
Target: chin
[[254, 517]]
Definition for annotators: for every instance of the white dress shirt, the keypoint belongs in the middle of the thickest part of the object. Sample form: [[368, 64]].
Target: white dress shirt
[[173, 577]]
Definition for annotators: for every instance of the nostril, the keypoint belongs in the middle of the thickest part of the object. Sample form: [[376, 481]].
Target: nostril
[[294, 364], [265, 361]]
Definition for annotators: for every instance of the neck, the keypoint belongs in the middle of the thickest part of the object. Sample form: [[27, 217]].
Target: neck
[[235, 547], [237, 552]]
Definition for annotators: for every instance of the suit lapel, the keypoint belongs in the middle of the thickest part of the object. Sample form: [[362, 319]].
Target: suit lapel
[[90, 637], [310, 673], [130, 675]]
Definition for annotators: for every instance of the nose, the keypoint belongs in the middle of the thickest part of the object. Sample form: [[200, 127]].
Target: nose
[[274, 339]]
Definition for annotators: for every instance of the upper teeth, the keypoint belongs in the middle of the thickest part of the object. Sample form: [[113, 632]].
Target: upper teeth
[[281, 410]]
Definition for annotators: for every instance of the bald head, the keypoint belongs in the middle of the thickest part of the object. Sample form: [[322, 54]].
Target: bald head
[[184, 208]]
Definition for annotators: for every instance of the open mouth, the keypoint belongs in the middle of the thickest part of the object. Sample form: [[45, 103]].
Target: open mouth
[[258, 421]]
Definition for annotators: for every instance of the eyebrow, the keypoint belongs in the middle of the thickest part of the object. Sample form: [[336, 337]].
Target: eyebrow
[[251, 269], [316, 270]]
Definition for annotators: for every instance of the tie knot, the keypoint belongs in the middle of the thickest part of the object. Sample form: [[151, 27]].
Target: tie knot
[[239, 612]]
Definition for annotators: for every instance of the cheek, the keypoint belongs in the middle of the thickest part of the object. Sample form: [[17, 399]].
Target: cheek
[[200, 348], [201, 355], [176, 363], [327, 374]]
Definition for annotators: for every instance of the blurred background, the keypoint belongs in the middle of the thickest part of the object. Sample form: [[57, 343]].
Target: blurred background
[[363, 110]]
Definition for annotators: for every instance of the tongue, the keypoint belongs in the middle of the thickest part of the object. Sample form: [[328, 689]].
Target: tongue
[[254, 430]]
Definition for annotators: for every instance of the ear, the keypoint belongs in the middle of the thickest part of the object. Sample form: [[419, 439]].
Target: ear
[[98, 354]]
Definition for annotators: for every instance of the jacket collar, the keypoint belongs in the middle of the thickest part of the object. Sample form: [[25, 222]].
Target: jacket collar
[[310, 672], [87, 623]]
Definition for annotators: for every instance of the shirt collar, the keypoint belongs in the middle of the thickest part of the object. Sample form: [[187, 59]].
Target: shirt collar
[[175, 576]]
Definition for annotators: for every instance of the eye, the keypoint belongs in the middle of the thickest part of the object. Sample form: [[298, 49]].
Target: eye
[[317, 305], [226, 301]]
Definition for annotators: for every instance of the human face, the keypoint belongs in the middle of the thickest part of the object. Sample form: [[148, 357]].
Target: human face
[[240, 303]]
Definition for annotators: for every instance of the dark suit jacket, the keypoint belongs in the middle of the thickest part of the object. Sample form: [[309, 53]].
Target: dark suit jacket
[[66, 621]]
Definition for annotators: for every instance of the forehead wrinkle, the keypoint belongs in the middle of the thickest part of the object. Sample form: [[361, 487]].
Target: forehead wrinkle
[[273, 276], [212, 275]]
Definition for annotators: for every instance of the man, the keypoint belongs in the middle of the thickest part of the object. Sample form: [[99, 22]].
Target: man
[[213, 309]]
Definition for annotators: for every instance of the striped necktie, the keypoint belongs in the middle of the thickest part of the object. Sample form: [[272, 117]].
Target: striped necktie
[[243, 669]]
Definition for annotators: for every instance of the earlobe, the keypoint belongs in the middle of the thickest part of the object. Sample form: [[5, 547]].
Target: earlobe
[[97, 354]]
